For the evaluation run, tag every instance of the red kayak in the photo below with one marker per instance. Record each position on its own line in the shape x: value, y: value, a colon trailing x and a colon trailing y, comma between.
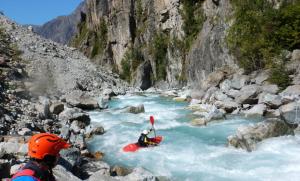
x: 135, y: 146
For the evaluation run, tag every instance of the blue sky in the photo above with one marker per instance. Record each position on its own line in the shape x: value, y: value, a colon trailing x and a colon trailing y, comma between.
x: 37, y: 11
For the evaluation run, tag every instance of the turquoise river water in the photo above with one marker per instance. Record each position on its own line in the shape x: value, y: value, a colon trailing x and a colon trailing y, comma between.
x: 189, y: 153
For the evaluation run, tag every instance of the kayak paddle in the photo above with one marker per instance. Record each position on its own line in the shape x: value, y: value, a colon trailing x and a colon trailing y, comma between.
x: 152, y: 123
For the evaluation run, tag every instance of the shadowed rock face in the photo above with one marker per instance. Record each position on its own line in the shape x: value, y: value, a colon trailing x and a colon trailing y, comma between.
x: 62, y: 28
x: 209, y: 51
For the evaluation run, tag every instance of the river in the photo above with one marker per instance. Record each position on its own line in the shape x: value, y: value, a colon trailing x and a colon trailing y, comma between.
x: 187, y: 152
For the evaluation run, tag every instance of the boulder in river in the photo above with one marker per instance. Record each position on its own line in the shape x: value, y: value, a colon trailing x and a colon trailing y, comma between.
x: 136, y: 110
x: 247, y: 137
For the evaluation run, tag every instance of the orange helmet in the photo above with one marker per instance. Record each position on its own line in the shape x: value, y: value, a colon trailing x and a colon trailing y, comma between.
x: 43, y: 144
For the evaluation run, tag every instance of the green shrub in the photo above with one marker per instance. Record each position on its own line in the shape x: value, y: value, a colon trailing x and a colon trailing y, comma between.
x: 132, y: 59
x: 100, y: 39
x: 261, y: 32
x: 193, y: 19
x: 159, y: 48
x: 126, y: 70
x: 280, y: 76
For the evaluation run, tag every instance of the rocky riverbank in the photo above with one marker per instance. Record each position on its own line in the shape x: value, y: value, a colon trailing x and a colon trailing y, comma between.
x: 47, y: 87
x: 229, y: 91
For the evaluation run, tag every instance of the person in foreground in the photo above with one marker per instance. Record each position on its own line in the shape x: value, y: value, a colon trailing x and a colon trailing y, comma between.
x: 43, y: 149
x: 144, y: 141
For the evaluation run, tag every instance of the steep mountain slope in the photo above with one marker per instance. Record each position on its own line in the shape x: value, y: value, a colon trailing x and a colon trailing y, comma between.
x: 62, y: 28
x: 56, y: 69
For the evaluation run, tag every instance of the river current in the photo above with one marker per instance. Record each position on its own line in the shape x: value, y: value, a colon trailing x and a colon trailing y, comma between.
x: 189, y: 153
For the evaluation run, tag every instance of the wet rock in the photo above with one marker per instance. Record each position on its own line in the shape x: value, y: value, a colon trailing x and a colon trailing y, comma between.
x: 136, y: 110
x: 56, y: 108
x: 248, y: 136
x: 91, y: 130
x: 103, y: 102
x: 256, y: 111
x: 109, y: 92
x: 119, y: 171
x: 179, y: 99
x: 170, y: 93
x: 139, y: 174
x: 199, y: 122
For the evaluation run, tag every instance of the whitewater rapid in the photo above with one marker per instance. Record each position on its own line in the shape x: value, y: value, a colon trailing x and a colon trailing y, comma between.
x: 187, y: 152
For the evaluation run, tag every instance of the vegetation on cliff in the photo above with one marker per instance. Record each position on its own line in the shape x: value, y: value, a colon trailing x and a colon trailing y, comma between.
x: 130, y: 62
x: 95, y: 38
x: 261, y: 32
x: 193, y: 19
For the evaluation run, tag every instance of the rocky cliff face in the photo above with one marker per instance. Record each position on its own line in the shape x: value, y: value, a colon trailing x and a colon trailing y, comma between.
x: 63, y: 28
x: 168, y: 43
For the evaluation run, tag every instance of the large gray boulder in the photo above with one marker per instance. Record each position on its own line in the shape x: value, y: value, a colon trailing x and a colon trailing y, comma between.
x: 270, y: 88
x: 93, y: 130
x: 56, y: 108
x: 228, y: 106
x: 103, y: 102
x: 62, y: 173
x: 272, y: 100
x: 261, y: 77
x: 95, y: 167
x: 247, y: 137
x: 238, y: 81
x: 135, y: 110
x: 71, y: 114
x: 290, y: 113
x: 256, y: 111
x: 248, y: 94
x: 15, y: 148
x: 83, y: 103
x: 293, y: 91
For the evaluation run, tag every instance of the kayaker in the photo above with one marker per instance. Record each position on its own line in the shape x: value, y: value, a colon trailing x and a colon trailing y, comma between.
x: 43, y: 149
x: 144, y: 141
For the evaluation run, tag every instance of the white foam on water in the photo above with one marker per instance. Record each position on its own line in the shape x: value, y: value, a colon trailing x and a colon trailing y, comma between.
x: 192, y: 153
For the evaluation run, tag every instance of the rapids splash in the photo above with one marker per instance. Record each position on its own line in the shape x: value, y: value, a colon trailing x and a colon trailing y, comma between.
x: 187, y: 152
